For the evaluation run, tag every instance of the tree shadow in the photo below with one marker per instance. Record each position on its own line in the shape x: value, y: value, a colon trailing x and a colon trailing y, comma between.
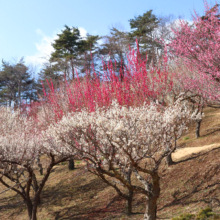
x: 211, y: 131
x: 200, y: 187
x: 115, y: 208
x: 106, y: 213
x: 11, y: 203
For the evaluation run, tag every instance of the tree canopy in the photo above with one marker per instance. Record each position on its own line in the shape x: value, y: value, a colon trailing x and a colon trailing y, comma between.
x: 72, y: 49
x: 16, y: 83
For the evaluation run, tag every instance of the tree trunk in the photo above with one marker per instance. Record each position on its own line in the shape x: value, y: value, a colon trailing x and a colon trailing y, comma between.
x: 38, y: 193
x: 130, y: 193
x: 71, y: 164
x: 40, y: 169
x: 169, y: 160
x: 34, y: 211
x: 35, y: 185
x: 198, y: 124
x: 151, y: 209
x: 39, y: 165
x: 72, y: 67
x: 34, y: 215
x: 29, y: 208
x: 129, y: 203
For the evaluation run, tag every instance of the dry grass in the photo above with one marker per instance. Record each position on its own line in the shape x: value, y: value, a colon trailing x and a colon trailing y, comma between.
x: 186, y: 186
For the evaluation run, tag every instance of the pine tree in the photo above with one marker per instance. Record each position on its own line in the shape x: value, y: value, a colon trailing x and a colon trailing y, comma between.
x: 143, y: 28
x: 16, y: 84
x: 71, y: 49
x: 116, y: 47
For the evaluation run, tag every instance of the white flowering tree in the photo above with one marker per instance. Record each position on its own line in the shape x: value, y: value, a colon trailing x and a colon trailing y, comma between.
x: 21, y: 141
x: 117, y: 141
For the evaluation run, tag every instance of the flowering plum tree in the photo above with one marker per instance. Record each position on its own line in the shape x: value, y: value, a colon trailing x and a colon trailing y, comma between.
x: 198, y: 46
x: 118, y: 140
x: 196, y: 59
x: 20, y: 144
x: 139, y: 85
x: 181, y: 75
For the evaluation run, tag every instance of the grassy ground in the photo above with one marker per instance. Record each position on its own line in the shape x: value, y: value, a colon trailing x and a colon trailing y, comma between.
x: 187, y: 186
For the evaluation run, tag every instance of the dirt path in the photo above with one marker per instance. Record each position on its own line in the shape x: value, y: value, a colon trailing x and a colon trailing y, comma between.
x: 186, y: 152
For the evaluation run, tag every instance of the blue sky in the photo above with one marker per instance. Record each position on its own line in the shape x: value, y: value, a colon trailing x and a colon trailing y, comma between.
x: 29, y: 26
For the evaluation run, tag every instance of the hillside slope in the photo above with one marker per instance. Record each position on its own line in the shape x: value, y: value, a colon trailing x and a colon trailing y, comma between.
x: 187, y: 186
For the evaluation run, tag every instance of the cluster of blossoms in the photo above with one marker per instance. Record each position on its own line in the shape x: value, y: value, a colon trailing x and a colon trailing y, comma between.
x: 19, y: 140
x: 21, y: 143
x: 121, y: 134
x: 197, y: 49
x: 108, y: 138
x: 121, y: 137
x: 139, y: 84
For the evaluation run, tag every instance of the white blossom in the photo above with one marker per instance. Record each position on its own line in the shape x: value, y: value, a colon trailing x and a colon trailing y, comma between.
x: 148, y: 129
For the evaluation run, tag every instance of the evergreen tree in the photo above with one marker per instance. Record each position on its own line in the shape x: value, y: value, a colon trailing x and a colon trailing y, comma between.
x: 143, y: 28
x: 90, y: 51
x: 16, y: 84
x: 67, y: 47
x: 71, y: 48
x: 116, y: 47
x: 51, y: 72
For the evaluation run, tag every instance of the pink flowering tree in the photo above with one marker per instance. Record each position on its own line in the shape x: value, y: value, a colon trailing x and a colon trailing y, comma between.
x: 197, y: 46
x: 21, y: 141
x: 195, y: 54
x: 118, y: 140
x: 192, y: 96
x: 139, y: 85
